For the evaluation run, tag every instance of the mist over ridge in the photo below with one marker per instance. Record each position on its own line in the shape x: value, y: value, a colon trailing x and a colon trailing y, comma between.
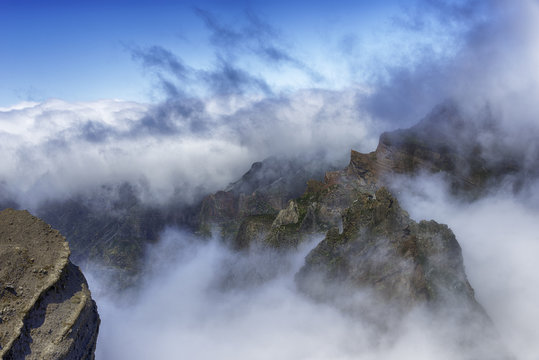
x: 150, y: 191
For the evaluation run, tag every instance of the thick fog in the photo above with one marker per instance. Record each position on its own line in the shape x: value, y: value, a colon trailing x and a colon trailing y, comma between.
x: 181, y: 147
x: 199, y: 300
x: 500, y: 242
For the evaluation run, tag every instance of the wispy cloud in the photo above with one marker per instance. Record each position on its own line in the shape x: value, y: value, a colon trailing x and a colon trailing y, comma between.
x: 256, y: 37
x: 231, y: 44
x: 162, y: 59
x: 491, y: 62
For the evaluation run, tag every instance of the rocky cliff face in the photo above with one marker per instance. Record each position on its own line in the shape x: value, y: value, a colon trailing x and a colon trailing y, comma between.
x: 371, y: 245
x: 399, y: 265
x: 261, y: 192
x: 46, y: 310
x: 370, y: 241
x: 381, y: 247
x: 471, y: 155
x: 444, y: 143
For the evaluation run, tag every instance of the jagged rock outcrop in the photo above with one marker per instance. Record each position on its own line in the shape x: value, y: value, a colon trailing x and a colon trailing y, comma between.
x: 287, y: 216
x: 372, y: 246
x: 46, y: 309
x: 444, y: 142
x: 401, y: 265
x: 381, y: 248
x: 261, y: 193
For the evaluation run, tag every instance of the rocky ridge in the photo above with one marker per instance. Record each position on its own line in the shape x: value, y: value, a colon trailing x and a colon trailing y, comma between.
x: 46, y: 309
x: 370, y: 240
x: 444, y: 143
x: 112, y: 225
x: 371, y: 245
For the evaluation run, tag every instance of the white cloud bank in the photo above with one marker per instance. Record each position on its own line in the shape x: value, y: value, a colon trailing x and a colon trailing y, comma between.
x: 55, y: 149
x: 500, y: 242
x: 182, y: 312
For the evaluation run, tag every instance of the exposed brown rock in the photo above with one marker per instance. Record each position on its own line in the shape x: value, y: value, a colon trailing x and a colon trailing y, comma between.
x: 263, y: 191
x: 371, y: 244
x: 46, y: 310
x: 380, y: 247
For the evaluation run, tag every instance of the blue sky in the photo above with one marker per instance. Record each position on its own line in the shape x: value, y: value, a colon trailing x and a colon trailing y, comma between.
x: 244, y: 80
x: 241, y: 79
x: 82, y: 50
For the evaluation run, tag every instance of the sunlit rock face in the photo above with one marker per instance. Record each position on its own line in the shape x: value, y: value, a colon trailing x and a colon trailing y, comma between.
x: 46, y: 309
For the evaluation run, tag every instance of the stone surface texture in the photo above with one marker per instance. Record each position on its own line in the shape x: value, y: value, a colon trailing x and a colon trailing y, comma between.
x: 46, y: 309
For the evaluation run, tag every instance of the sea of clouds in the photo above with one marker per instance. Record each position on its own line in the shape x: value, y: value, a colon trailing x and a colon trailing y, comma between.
x: 188, y: 146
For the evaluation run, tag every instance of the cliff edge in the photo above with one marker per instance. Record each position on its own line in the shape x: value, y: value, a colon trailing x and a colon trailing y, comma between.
x: 46, y: 310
